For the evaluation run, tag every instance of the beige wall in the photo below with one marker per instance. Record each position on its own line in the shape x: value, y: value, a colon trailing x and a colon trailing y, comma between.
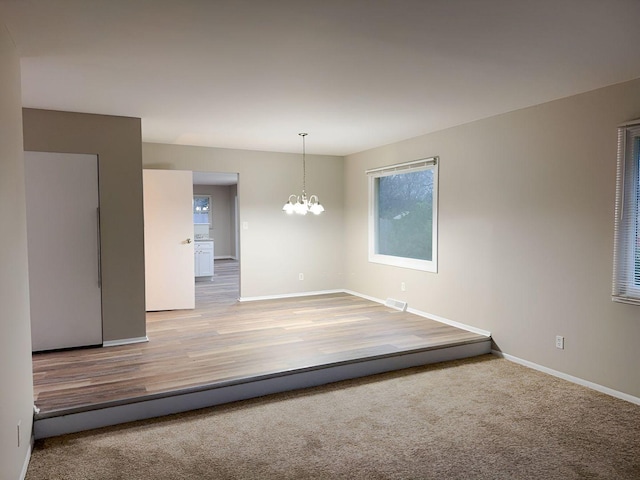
x: 525, y: 232
x: 16, y: 394
x: 222, y: 226
x: 117, y: 142
x: 276, y: 247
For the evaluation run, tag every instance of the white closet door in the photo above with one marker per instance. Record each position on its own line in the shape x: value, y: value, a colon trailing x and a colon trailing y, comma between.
x: 63, y: 243
x: 168, y: 240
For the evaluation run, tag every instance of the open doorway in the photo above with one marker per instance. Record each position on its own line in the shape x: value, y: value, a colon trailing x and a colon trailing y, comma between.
x: 190, y: 225
x: 216, y: 237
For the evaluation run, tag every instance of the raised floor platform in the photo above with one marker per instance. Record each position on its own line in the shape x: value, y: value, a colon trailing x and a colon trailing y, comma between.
x: 225, y: 351
x: 103, y: 414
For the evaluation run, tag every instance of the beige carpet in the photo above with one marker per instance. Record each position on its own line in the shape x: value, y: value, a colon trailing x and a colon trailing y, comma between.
x: 483, y: 418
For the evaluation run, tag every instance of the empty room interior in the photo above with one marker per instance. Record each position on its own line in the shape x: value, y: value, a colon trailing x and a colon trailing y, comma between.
x: 205, y: 202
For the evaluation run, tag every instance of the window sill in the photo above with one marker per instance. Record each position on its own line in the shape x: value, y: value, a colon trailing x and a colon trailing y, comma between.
x: 627, y: 300
x: 411, y: 263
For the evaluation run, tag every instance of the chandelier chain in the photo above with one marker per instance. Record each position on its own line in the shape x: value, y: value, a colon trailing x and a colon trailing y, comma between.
x: 304, y: 165
x: 300, y: 204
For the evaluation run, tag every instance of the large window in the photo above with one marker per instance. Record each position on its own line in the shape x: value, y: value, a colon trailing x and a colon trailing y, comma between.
x: 626, y: 256
x: 403, y: 207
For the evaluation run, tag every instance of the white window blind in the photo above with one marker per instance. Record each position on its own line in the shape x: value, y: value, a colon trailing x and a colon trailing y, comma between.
x: 398, y: 168
x: 626, y: 253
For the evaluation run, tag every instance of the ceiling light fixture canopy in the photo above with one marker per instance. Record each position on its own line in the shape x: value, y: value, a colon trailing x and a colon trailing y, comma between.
x: 300, y: 204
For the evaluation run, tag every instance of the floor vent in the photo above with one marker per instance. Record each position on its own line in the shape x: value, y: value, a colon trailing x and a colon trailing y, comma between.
x: 397, y: 304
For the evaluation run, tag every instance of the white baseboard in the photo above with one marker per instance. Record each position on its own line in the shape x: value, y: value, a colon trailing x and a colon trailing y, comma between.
x: 25, y: 465
x: 526, y: 363
x: 289, y: 295
x: 569, y: 378
x: 124, y: 341
x: 430, y: 316
x: 362, y: 295
x: 453, y: 323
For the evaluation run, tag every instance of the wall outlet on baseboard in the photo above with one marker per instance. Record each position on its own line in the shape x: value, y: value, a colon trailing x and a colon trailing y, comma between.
x: 301, y: 276
x: 560, y: 342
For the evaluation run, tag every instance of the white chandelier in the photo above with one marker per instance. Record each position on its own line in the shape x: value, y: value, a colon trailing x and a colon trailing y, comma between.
x: 300, y: 204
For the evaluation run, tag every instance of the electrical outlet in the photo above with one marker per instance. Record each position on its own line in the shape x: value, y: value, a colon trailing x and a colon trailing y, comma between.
x: 403, y: 287
x: 301, y: 276
x: 560, y: 342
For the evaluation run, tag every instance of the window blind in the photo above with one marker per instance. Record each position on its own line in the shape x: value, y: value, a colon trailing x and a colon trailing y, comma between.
x: 626, y: 253
x: 400, y: 167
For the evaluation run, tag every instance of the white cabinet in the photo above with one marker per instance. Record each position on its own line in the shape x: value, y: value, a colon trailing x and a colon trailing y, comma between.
x: 203, y: 258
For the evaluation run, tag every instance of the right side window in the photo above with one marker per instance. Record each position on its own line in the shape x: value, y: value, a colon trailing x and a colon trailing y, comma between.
x: 403, y: 211
x: 626, y: 256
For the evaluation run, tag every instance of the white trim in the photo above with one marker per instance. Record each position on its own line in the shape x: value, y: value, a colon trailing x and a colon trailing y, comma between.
x: 629, y: 124
x: 362, y: 295
x: 124, y: 341
x: 404, y: 262
x: 27, y: 459
x: 452, y: 323
x: 569, y: 378
x: 627, y: 300
x: 430, y: 316
x: 289, y: 295
x: 624, y: 286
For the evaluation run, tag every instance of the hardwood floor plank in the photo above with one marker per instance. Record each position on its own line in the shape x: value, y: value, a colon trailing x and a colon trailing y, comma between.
x: 223, y: 340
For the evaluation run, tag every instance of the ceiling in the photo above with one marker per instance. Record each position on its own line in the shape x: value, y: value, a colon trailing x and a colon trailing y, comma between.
x: 354, y: 74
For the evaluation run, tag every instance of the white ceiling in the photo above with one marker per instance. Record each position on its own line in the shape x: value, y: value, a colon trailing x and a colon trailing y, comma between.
x: 355, y: 74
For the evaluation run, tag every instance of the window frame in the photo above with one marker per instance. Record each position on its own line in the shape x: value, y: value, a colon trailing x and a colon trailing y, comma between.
x: 429, y: 163
x: 627, y: 222
x: 209, y: 216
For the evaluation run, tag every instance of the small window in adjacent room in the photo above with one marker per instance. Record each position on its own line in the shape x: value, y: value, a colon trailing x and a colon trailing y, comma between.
x: 626, y: 254
x: 403, y: 208
x: 202, y: 209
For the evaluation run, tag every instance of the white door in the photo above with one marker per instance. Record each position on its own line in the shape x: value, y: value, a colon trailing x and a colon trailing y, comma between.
x: 168, y: 240
x: 63, y: 244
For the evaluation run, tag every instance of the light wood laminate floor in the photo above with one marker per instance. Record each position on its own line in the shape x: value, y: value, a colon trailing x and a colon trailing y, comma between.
x: 224, y: 340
